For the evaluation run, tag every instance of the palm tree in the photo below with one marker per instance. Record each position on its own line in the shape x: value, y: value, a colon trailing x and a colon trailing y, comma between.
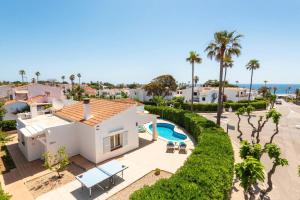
x: 224, y: 44
x: 297, y: 92
x: 193, y: 58
x: 252, y: 65
x: 79, y: 76
x: 63, y: 77
x: 228, y: 63
x: 274, y: 90
x: 37, y: 76
x: 72, y: 78
x: 22, y: 73
x: 265, y: 81
x: 236, y: 82
x: 196, y: 79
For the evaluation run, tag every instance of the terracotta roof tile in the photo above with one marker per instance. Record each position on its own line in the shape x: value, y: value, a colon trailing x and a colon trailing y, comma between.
x: 100, y: 110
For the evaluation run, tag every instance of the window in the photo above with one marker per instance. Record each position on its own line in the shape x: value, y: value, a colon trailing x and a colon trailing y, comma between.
x: 115, y: 141
x: 195, y: 94
x: 22, y: 139
x: 203, y: 98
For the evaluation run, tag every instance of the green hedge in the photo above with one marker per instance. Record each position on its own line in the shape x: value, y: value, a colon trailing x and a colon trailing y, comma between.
x: 213, y: 107
x: 8, y: 125
x: 208, y: 171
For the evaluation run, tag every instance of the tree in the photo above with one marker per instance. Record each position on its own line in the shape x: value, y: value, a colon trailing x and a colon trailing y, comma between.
x: 2, y: 111
x: 192, y: 59
x: 274, y: 90
x: 252, y: 65
x: 124, y: 95
x: 249, y: 172
x: 196, y: 79
x: 297, y: 92
x: 161, y: 86
x: 63, y: 77
x: 274, y: 152
x: 159, y: 101
x: 72, y: 78
x: 265, y: 81
x: 58, y: 162
x: 79, y: 77
x: 255, y: 150
x: 228, y: 63
x: 22, y: 73
x: 224, y: 44
x: 264, y: 91
x: 4, y: 195
x: 37, y: 76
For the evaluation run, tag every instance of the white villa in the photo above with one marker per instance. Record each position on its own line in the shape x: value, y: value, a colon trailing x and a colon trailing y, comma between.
x: 141, y: 95
x: 210, y: 94
x: 95, y: 129
x: 32, y: 95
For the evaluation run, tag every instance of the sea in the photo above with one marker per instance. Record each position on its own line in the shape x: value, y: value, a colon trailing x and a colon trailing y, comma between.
x: 281, y: 88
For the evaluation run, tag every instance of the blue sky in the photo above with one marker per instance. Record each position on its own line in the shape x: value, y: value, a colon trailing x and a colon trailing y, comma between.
x: 134, y: 41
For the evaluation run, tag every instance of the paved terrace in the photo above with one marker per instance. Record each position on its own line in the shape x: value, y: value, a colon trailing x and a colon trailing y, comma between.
x: 147, y: 157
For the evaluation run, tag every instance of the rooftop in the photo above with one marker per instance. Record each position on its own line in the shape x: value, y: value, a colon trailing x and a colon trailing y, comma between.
x: 100, y: 110
x: 45, y: 121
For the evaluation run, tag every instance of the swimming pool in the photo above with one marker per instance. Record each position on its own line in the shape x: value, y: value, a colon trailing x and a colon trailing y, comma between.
x: 166, y: 130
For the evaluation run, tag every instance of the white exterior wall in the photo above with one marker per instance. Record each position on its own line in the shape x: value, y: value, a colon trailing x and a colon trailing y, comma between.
x: 125, y: 120
x: 38, y: 89
x: 5, y: 91
x: 59, y: 136
x: 86, y: 141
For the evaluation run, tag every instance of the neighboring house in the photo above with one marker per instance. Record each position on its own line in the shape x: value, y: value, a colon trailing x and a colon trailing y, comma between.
x: 210, y: 94
x: 5, y: 93
x: 89, y: 90
x: 141, y: 95
x: 97, y: 129
x: 26, y: 96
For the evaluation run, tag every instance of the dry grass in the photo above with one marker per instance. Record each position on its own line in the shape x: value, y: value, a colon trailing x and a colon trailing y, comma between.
x: 48, y: 182
x: 148, y: 179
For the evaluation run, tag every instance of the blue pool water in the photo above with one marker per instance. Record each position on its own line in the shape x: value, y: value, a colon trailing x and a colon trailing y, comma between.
x: 166, y: 131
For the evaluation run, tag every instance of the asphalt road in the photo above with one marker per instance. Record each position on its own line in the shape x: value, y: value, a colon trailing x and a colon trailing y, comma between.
x: 286, y: 181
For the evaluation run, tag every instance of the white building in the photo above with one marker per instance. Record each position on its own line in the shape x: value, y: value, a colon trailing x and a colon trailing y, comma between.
x: 210, y: 94
x: 32, y: 94
x: 141, y: 95
x: 96, y: 129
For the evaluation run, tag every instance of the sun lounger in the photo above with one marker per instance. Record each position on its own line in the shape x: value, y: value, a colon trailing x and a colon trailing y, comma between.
x: 182, y: 146
x: 170, y: 146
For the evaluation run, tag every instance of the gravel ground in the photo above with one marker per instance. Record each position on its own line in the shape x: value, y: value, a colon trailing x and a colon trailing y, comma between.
x: 148, y: 179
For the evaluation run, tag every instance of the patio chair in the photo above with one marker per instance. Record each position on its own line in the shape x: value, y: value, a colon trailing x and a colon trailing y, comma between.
x: 170, y: 146
x: 182, y: 146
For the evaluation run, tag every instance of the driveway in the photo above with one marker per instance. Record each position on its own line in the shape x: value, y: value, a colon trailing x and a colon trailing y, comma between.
x: 286, y: 180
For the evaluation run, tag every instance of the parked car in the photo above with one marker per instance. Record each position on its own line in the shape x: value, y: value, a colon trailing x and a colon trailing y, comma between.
x: 278, y: 101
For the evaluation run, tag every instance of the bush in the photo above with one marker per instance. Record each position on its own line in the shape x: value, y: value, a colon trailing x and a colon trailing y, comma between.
x: 4, y: 195
x: 157, y: 171
x: 257, y: 105
x: 213, y: 107
x: 8, y: 125
x: 207, y: 173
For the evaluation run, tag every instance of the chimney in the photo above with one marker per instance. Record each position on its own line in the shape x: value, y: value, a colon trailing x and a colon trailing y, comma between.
x: 86, y: 109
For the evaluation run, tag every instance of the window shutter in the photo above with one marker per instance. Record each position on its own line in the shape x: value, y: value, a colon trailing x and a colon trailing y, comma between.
x: 106, y: 144
x: 125, y: 138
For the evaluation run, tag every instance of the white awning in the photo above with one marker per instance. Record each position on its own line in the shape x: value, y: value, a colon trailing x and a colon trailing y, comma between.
x: 32, y: 131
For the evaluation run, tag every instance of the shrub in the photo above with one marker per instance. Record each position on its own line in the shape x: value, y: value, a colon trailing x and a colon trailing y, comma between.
x: 213, y: 107
x: 8, y: 125
x: 157, y: 171
x: 4, y: 195
x: 257, y: 105
x: 207, y: 173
